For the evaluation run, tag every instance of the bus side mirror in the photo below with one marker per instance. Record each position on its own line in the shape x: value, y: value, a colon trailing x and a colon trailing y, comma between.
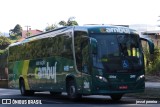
x: 150, y: 44
x: 93, y: 44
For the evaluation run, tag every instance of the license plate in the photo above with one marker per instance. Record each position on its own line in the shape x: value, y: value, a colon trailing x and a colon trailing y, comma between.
x: 123, y: 87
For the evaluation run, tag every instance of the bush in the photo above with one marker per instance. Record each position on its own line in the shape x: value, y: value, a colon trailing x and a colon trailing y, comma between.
x: 152, y: 65
x: 1, y: 52
x: 4, y: 42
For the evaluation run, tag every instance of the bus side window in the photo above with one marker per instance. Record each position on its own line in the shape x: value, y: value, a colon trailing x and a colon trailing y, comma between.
x: 66, y: 45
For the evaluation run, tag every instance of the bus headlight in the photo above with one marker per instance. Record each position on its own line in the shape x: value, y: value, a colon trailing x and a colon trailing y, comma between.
x: 140, y: 77
x: 102, y: 78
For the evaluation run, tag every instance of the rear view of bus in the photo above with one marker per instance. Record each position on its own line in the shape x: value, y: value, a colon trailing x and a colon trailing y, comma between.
x: 117, y: 61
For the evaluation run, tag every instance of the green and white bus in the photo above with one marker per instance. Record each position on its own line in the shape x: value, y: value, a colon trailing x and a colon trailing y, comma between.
x: 79, y: 60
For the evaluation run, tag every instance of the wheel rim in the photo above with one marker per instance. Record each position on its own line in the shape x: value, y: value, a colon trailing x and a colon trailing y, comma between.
x: 72, y: 91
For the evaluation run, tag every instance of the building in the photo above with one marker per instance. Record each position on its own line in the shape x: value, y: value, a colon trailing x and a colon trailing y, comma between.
x: 154, y: 35
x: 148, y: 31
x: 30, y: 32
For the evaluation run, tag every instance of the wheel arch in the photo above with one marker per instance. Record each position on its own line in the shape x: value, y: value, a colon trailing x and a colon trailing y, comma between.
x: 25, y: 82
x: 20, y: 79
x: 69, y: 78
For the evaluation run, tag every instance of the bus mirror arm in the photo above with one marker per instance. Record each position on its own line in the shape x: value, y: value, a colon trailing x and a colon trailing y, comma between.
x: 150, y: 44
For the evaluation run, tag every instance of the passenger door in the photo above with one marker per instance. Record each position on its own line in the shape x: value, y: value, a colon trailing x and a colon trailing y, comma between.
x: 83, y: 60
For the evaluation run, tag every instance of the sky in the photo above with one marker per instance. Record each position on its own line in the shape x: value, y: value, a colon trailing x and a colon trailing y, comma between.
x: 38, y: 14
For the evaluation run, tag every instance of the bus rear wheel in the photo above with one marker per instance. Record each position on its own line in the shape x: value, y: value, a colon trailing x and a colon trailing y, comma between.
x: 23, y: 90
x: 116, y: 97
x: 72, y: 91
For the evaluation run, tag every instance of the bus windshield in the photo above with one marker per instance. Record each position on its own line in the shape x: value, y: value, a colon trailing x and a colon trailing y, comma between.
x: 114, y: 49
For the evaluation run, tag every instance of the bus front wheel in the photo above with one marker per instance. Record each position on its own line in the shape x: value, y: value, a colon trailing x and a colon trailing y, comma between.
x: 116, y: 97
x: 72, y: 91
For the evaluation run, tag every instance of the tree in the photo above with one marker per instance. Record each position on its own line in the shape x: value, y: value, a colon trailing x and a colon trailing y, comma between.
x: 53, y: 26
x: 63, y: 23
x: 4, y: 42
x: 71, y: 22
x: 17, y: 31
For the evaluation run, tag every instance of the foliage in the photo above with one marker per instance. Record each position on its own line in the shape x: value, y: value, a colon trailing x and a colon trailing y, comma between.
x: 16, y: 32
x: 63, y: 23
x: 152, y: 61
x: 71, y: 22
x: 1, y: 52
x: 3, y: 58
x: 28, y: 34
x: 4, y: 42
x: 53, y: 26
x: 14, y: 37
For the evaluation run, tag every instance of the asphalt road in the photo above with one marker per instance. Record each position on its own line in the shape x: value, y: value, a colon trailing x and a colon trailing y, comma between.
x: 62, y: 101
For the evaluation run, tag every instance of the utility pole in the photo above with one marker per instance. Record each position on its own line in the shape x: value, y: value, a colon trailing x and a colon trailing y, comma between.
x: 158, y: 21
x: 27, y: 30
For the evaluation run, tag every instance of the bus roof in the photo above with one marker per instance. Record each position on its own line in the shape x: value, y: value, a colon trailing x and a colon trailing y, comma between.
x: 88, y: 28
x: 95, y: 28
x: 107, y: 29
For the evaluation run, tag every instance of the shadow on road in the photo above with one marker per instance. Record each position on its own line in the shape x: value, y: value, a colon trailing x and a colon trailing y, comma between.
x: 49, y: 99
x: 63, y: 99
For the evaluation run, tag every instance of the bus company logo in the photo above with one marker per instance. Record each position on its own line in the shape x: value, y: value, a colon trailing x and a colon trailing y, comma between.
x: 47, y: 71
x: 118, y: 30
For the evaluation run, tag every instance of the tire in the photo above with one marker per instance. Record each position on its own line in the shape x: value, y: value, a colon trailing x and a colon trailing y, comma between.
x: 55, y: 93
x: 23, y: 90
x: 72, y: 91
x: 116, y: 97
